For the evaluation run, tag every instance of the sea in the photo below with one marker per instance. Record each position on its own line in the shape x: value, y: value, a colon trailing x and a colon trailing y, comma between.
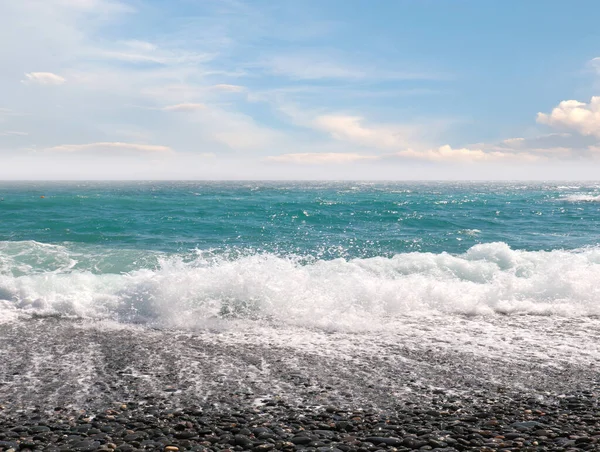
x: 501, y: 274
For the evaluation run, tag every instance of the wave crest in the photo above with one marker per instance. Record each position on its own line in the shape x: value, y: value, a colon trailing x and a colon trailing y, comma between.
x: 186, y: 291
x: 581, y: 198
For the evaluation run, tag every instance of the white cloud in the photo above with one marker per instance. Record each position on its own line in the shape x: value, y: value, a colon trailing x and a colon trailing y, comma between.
x: 9, y: 133
x: 579, y: 116
x: 140, y: 45
x: 319, y: 158
x: 130, y: 57
x: 110, y: 146
x: 310, y: 69
x: 185, y: 107
x: 44, y: 78
x: 228, y: 88
x: 463, y: 155
x: 235, y: 130
x: 181, y: 93
x: 324, y: 65
x: 352, y: 129
x: 152, y: 55
x: 92, y: 6
x: 442, y: 154
x: 513, y: 141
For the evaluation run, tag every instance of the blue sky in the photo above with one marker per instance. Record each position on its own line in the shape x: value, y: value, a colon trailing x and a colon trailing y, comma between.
x: 225, y: 89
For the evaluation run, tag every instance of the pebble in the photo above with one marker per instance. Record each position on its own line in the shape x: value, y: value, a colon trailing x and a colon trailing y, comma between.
x: 505, y: 424
x: 377, y: 440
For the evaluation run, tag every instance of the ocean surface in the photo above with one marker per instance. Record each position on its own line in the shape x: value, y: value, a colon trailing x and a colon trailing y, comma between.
x: 348, y: 256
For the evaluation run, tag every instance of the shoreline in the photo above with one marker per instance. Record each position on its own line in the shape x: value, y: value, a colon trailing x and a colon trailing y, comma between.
x: 92, y: 385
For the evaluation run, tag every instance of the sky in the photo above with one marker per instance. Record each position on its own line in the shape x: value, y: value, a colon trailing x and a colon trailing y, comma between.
x: 311, y: 89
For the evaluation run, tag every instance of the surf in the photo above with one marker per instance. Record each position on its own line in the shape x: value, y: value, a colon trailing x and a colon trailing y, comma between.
x: 199, y: 288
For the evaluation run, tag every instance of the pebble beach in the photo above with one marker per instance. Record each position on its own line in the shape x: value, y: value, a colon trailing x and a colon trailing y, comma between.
x: 97, y: 386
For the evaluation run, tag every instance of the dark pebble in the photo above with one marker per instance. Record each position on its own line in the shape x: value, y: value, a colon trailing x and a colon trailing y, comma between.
x: 301, y: 440
x: 377, y: 440
x: 511, y: 423
x: 242, y: 440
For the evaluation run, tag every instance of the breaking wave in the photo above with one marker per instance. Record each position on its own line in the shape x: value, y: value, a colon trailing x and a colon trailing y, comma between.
x: 582, y: 198
x: 202, y: 288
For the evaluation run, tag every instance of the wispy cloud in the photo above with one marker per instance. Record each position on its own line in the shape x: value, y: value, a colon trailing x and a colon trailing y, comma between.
x: 320, y: 158
x: 143, y: 46
x: 6, y: 113
x: 324, y: 65
x: 235, y: 130
x: 44, y: 78
x: 110, y: 146
x: 11, y: 133
x: 171, y: 90
x: 228, y: 88
x: 91, y: 6
x: 447, y: 154
x: 353, y: 129
x: 151, y: 54
x: 442, y: 154
x: 185, y: 107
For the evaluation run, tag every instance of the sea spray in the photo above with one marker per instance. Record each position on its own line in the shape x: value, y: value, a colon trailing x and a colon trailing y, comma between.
x: 190, y: 290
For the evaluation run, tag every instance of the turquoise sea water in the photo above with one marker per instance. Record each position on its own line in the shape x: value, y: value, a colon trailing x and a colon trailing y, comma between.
x: 299, y: 248
x: 319, y: 219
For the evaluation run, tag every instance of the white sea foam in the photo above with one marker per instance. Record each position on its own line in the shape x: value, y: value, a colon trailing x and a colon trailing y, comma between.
x: 339, y: 294
x: 581, y: 198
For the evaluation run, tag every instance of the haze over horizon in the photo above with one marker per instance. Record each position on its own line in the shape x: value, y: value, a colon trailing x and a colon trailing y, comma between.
x: 226, y: 89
